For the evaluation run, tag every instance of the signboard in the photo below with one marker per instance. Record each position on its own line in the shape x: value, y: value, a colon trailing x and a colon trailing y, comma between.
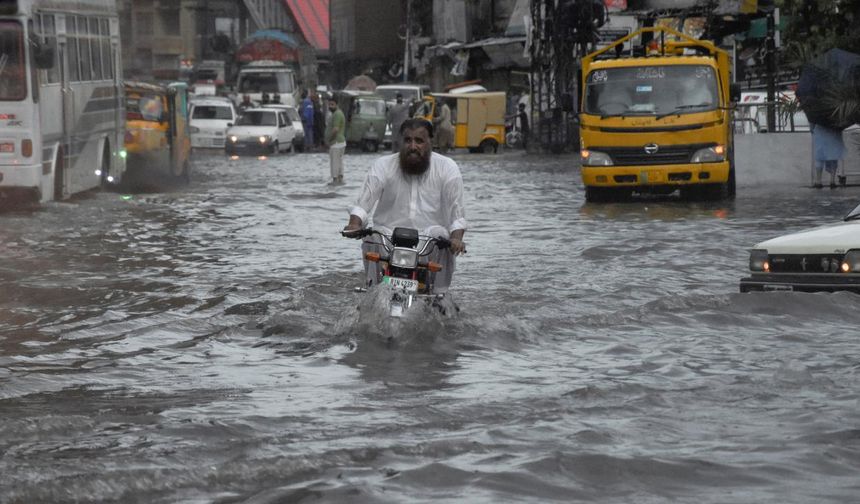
x: 615, y: 5
x: 615, y: 28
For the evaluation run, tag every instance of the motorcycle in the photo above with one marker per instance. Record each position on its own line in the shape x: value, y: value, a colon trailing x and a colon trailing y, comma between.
x: 406, y: 268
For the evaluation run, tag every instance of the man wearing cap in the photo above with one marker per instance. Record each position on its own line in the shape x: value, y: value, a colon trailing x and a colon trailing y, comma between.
x: 397, y: 113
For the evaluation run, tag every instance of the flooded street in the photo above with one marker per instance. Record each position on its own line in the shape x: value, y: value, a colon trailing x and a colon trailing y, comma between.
x: 203, y: 345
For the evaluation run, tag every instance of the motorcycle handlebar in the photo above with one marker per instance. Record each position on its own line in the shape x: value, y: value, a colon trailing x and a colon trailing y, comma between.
x: 441, y: 243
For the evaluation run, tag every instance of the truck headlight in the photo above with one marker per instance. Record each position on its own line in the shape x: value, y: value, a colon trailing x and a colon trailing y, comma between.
x: 714, y: 154
x: 264, y: 139
x: 595, y: 158
x: 404, y: 258
x: 851, y: 262
x: 234, y: 138
x: 758, y: 260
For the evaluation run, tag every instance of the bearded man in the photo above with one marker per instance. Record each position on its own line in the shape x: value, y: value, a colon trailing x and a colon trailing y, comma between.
x: 415, y: 188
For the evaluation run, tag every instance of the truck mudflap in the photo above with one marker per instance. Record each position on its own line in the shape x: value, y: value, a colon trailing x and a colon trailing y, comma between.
x: 659, y: 175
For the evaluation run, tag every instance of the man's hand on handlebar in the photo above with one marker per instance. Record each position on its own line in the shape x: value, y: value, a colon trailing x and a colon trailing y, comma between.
x: 457, y: 245
x: 354, y: 228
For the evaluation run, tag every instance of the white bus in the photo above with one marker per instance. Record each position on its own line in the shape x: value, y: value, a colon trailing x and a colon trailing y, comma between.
x: 62, y: 114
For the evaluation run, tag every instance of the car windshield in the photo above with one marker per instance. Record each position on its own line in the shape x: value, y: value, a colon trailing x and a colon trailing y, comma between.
x: 293, y: 114
x: 390, y: 94
x: 371, y: 107
x: 258, y: 118
x: 265, y: 82
x: 211, y: 112
x: 140, y: 107
x: 651, y: 90
x: 13, y: 75
x: 853, y: 214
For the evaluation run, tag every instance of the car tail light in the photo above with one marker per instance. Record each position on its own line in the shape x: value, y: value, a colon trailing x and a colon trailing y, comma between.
x: 27, y: 147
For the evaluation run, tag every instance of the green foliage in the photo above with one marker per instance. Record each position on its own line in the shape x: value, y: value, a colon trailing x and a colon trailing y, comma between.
x: 816, y: 26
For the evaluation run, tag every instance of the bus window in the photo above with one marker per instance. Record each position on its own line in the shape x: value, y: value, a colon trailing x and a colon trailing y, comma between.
x: 13, y: 76
x: 72, y: 48
x: 95, y: 50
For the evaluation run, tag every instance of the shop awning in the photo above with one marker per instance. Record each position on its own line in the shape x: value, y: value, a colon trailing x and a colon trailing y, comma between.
x: 312, y: 16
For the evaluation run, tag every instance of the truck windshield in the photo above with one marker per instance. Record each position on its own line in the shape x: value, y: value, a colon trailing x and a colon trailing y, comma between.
x: 13, y: 75
x: 651, y: 90
x: 265, y: 82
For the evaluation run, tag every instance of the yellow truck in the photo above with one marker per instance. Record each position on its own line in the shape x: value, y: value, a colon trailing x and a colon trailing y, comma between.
x: 657, y: 122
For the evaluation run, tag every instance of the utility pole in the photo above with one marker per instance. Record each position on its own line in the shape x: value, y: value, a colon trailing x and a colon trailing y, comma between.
x: 771, y: 72
x: 408, y: 40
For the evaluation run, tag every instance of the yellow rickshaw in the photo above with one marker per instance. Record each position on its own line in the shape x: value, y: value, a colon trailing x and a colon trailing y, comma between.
x: 157, y: 137
x: 478, y: 118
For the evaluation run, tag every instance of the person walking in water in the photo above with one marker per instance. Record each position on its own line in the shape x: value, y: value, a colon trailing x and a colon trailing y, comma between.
x: 334, y: 137
x: 444, y: 129
x: 829, y: 148
x: 308, y: 119
x: 398, y: 113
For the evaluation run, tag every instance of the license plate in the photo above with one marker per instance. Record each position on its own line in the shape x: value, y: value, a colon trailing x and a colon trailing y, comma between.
x: 402, y: 283
x: 777, y: 287
x: 651, y: 176
x: 7, y: 148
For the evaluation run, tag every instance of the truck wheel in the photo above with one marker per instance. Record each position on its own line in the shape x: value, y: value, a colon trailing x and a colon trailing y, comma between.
x: 489, y: 146
x: 732, y: 189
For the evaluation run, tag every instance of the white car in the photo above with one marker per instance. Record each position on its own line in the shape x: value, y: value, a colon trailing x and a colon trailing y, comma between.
x: 825, y: 258
x: 209, y: 119
x: 292, y: 115
x: 260, y: 131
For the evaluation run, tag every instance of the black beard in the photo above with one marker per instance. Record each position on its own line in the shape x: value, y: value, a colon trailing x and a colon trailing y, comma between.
x: 414, y: 166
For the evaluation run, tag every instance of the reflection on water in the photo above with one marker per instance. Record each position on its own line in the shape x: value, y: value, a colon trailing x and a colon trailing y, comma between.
x: 206, y: 345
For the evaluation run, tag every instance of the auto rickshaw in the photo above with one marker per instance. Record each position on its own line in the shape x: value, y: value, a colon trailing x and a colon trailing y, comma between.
x: 157, y: 137
x: 478, y: 118
x: 365, y: 118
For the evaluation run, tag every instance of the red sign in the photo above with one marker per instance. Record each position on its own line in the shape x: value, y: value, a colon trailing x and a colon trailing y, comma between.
x: 266, y: 50
x: 616, y: 4
x: 7, y: 117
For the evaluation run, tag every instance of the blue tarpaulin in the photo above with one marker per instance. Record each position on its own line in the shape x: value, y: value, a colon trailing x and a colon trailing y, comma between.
x: 829, y: 89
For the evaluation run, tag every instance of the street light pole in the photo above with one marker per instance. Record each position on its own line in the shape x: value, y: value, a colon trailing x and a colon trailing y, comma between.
x: 408, y: 39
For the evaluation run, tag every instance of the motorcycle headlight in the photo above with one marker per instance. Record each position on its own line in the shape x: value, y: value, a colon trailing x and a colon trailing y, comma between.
x: 404, y: 258
x: 595, y: 158
x: 759, y: 261
x: 713, y: 154
x: 264, y: 139
x: 851, y: 262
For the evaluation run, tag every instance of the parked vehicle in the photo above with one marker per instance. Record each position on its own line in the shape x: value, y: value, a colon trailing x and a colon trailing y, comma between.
x: 260, y: 131
x: 270, y: 78
x: 406, y: 269
x: 825, y: 258
x: 210, y: 117
x: 412, y: 93
x: 478, y: 118
x: 658, y: 123
x: 365, y: 118
x: 293, y: 116
x: 158, y: 136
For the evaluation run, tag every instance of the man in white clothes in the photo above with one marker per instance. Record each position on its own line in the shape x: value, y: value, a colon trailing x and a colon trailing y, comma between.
x: 415, y: 188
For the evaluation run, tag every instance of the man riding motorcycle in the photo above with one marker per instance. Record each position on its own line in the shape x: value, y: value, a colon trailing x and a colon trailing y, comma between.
x: 415, y: 188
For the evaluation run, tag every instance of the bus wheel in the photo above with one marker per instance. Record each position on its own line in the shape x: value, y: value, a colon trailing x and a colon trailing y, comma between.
x: 59, y: 169
x: 489, y: 146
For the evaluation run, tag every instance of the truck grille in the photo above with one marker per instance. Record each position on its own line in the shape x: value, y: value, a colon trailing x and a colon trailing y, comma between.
x: 805, y: 263
x: 665, y: 155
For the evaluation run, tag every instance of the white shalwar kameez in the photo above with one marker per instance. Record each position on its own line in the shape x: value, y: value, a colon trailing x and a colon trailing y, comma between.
x: 431, y: 202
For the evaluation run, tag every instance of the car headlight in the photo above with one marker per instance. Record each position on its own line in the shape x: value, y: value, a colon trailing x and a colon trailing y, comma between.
x: 404, y: 258
x: 234, y: 138
x: 714, y: 154
x: 264, y: 139
x: 195, y: 129
x: 759, y: 260
x: 851, y: 262
x: 595, y: 158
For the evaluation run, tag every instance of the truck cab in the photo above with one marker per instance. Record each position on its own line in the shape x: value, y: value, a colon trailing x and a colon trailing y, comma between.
x: 268, y: 77
x: 659, y: 122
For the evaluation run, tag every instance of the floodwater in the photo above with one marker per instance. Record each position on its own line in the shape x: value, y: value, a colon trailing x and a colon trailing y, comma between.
x: 203, y: 345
